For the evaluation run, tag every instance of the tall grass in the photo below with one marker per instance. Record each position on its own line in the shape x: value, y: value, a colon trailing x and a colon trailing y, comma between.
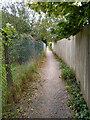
x: 23, y: 77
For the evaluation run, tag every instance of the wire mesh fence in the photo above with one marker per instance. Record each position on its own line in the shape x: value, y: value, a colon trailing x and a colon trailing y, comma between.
x: 20, y: 51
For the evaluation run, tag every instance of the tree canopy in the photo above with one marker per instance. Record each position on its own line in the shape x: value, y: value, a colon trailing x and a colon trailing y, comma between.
x: 71, y: 17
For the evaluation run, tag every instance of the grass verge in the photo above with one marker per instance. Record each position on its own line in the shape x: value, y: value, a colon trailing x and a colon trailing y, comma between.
x: 77, y: 102
x: 23, y: 77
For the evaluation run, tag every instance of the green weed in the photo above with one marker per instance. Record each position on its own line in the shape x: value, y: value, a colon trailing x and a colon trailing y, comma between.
x: 77, y: 102
x: 68, y: 74
x: 23, y: 78
x: 50, y: 46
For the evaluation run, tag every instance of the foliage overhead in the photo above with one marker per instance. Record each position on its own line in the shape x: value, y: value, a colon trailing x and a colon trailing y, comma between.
x: 10, y: 32
x: 71, y: 17
x: 17, y: 15
x: 41, y: 30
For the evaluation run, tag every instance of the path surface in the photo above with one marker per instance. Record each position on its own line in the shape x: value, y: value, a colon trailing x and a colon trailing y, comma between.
x: 50, y: 99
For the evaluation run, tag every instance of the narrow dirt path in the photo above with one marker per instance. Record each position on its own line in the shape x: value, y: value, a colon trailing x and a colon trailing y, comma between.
x: 50, y: 99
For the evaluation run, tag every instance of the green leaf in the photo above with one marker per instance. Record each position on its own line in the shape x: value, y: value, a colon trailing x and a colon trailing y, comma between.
x: 80, y: 21
x: 85, y: 20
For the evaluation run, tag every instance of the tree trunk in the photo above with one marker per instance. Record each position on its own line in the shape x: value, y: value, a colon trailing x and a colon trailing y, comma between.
x: 7, y: 62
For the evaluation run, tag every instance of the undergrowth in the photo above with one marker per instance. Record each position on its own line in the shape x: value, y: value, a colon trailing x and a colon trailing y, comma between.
x: 23, y: 77
x: 50, y: 46
x: 77, y: 102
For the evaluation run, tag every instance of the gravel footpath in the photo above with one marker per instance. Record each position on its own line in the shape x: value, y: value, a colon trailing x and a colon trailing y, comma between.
x: 50, y: 99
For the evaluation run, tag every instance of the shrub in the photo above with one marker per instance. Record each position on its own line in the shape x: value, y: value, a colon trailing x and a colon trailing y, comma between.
x: 50, y: 46
x: 62, y: 66
x: 68, y: 74
x: 77, y: 102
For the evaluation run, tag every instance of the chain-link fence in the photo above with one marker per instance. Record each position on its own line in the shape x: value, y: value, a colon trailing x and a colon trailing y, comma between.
x: 20, y: 52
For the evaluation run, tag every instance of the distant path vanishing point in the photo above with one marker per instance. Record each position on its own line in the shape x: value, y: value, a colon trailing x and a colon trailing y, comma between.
x: 50, y: 99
